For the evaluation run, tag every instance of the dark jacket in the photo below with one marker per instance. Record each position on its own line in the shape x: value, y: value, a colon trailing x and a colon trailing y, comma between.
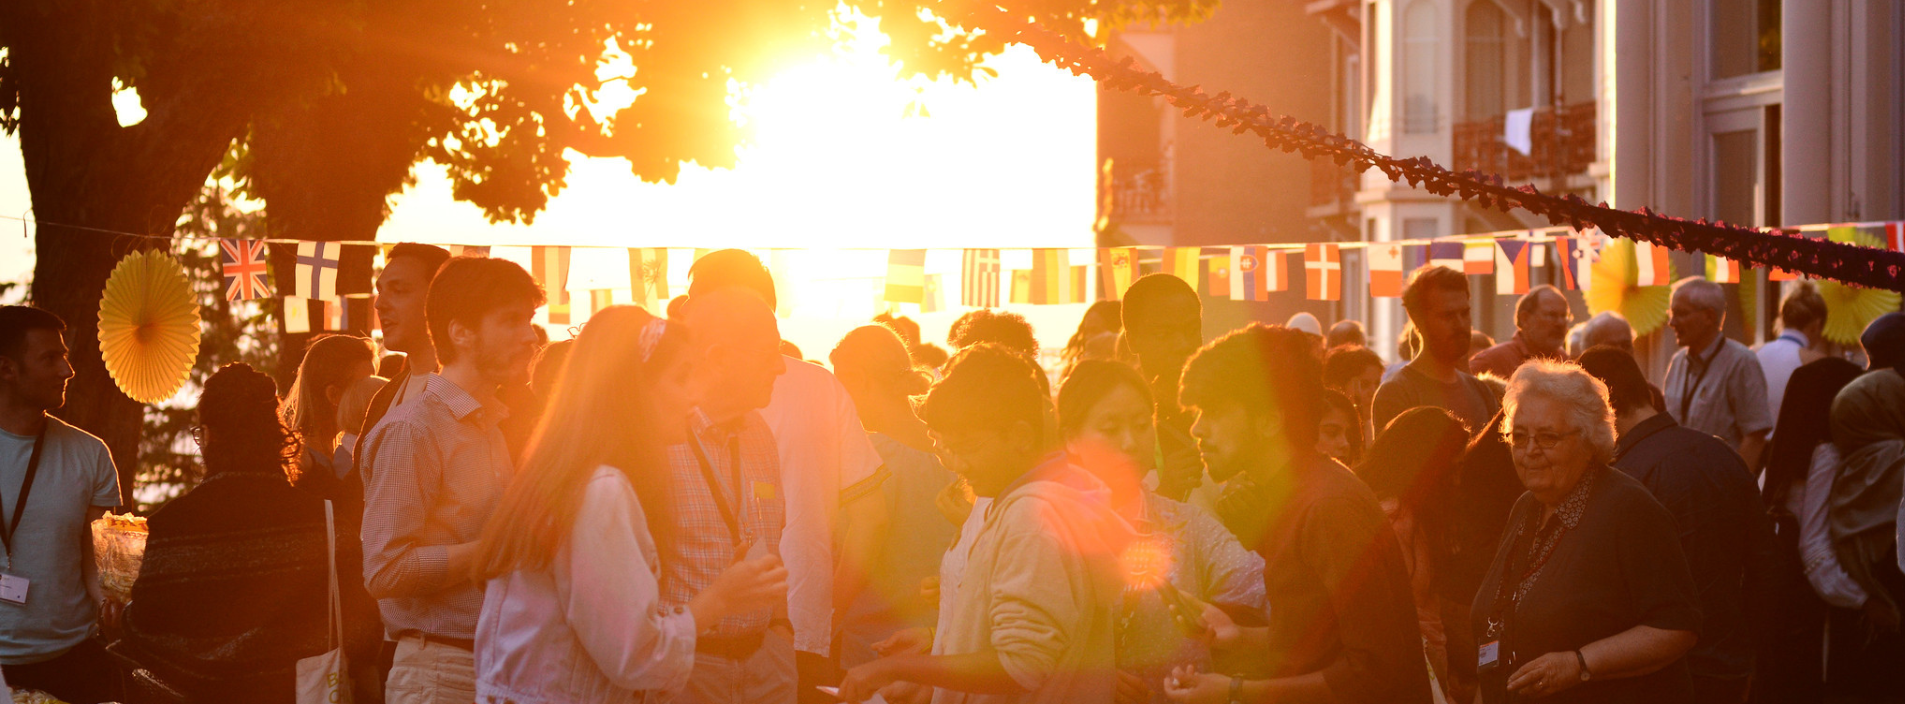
x: 1724, y: 532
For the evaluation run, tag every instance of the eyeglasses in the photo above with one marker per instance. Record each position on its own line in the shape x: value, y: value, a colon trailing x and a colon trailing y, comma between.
x: 198, y: 435
x: 1544, y: 439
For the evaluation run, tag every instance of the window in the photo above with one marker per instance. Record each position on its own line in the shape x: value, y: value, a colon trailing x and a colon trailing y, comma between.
x: 1493, y: 59
x: 1745, y: 36
x: 1736, y: 179
x: 1418, y: 68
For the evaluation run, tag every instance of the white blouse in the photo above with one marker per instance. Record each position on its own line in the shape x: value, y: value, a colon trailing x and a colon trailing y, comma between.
x: 589, y: 627
x: 1815, y: 540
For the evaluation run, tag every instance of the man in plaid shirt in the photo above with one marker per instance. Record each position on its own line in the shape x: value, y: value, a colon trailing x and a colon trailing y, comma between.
x: 725, y: 482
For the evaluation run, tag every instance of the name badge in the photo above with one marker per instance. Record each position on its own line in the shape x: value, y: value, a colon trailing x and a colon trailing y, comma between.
x: 763, y: 491
x: 1491, y: 653
x: 13, y: 589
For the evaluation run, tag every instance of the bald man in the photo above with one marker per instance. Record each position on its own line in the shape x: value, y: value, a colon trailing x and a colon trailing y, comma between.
x: 726, y: 485
x: 1608, y: 328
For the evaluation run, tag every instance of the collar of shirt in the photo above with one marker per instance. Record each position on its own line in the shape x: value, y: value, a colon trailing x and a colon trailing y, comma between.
x: 1052, y: 467
x: 1797, y: 337
x: 1528, y: 351
x: 1640, y: 432
x: 460, y: 402
x: 706, y: 427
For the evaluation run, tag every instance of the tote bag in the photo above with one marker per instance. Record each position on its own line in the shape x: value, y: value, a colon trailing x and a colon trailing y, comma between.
x: 325, y: 679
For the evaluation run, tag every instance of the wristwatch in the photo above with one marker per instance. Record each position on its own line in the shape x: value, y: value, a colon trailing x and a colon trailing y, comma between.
x: 1236, y: 690
x: 1585, y: 674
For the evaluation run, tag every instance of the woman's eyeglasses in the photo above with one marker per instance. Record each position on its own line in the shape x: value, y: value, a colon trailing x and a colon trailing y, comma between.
x: 1543, y: 439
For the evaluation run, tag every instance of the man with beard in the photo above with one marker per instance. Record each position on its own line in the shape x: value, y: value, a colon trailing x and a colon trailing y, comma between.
x: 434, y: 467
x: 1436, y: 300
x: 1164, y: 324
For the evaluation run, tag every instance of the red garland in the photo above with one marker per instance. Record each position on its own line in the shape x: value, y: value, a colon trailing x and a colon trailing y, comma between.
x: 1863, y: 266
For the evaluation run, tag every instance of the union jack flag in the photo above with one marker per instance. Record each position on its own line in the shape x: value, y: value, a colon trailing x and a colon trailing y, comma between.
x: 245, y: 269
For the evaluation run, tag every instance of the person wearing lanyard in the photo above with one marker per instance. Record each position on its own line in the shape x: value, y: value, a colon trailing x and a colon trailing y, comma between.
x: 55, y: 479
x: 725, y: 482
x: 1802, y: 323
x: 1589, y: 598
x: 1714, y: 385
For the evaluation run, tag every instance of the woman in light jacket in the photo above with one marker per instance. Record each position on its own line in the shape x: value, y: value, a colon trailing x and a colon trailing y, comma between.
x: 572, y: 611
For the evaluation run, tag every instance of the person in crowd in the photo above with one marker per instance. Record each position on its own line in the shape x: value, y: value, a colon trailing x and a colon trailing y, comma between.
x: 573, y: 611
x: 1589, y: 597
x: 351, y: 408
x: 1346, y: 332
x: 1542, y: 318
x: 1868, y: 427
x: 332, y: 363
x: 931, y: 357
x: 1355, y: 371
x: 403, y: 288
x: 1801, y: 341
x: 1477, y: 341
x: 906, y: 328
x: 1801, y: 463
x: 726, y: 500
x: 548, y: 368
x: 1032, y: 616
x: 1436, y: 300
x: 1576, y: 335
x: 872, y: 363
x: 52, y: 593
x: 235, y: 584
x: 1164, y: 325
x: 830, y: 475
x: 1411, y: 468
x: 1009, y: 330
x: 1608, y: 328
x: 1342, y: 623
x: 1723, y: 529
x: 1339, y: 435
x: 1306, y: 322
x: 1714, y: 384
x: 1104, y: 412
x: 1096, y: 337
x: 1408, y: 345
x: 433, y: 469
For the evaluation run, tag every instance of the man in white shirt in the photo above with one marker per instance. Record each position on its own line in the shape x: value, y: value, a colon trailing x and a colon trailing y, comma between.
x: 830, y: 473
x: 1802, y: 323
x: 55, y: 480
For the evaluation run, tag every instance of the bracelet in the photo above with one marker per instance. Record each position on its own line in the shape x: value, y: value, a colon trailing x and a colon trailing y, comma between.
x: 1585, y: 673
x: 1236, y: 690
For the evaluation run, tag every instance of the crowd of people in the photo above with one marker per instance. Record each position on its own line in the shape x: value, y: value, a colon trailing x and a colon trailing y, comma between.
x: 671, y: 508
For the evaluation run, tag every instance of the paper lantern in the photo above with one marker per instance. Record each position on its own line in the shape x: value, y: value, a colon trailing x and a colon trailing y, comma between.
x: 148, y: 326
x: 1613, y: 289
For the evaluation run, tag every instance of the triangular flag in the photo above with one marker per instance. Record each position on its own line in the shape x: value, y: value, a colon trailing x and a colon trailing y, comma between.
x: 905, y: 276
x: 1323, y: 266
x: 1385, y: 269
x: 550, y: 267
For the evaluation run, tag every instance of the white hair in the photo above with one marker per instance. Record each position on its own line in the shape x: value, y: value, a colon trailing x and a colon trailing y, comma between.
x: 1566, y: 383
x: 1701, y: 292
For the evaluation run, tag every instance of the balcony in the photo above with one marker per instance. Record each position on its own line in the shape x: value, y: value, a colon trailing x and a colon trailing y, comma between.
x: 1562, y: 139
x: 1139, y: 195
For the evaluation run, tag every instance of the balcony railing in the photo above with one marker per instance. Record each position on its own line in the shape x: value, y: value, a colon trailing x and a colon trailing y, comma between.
x: 1562, y: 143
x: 1140, y: 194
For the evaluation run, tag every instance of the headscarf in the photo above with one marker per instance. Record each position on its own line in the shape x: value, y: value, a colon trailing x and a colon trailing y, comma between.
x: 1868, y: 425
x: 1884, y: 342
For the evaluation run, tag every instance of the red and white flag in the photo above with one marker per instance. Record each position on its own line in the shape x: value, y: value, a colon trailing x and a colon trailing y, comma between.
x: 1323, y: 269
x: 1385, y: 269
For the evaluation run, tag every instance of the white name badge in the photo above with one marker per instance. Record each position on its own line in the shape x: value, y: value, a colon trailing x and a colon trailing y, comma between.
x: 13, y: 589
x: 1491, y: 651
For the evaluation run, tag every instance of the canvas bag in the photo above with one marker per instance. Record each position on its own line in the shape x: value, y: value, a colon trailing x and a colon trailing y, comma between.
x: 325, y: 679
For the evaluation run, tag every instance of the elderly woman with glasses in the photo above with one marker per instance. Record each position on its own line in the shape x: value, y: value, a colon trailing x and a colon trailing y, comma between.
x: 1589, y: 598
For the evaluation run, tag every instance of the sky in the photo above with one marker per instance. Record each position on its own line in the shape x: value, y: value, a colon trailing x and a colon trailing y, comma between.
x: 842, y: 156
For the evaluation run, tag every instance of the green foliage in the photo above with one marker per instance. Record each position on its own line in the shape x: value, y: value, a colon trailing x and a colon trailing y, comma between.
x: 243, y: 331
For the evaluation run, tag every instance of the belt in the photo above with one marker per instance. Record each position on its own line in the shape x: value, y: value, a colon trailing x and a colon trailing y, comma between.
x: 428, y: 639
x: 735, y: 647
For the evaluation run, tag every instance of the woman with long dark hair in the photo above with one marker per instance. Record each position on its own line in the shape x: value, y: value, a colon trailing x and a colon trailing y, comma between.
x: 572, y: 609
x: 1412, y: 470
x: 235, y: 585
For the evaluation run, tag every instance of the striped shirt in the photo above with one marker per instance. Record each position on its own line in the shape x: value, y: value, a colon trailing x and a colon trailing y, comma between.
x: 434, y: 468
x: 703, y: 544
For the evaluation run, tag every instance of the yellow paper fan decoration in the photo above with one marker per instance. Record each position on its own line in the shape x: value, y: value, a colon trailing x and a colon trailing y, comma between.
x: 148, y: 326
x: 1850, y: 308
x: 1613, y: 289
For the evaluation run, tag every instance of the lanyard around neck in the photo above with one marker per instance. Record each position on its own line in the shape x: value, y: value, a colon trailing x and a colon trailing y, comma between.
x: 12, y: 527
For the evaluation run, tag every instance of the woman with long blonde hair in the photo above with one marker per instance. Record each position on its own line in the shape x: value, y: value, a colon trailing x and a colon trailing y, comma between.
x: 572, y: 608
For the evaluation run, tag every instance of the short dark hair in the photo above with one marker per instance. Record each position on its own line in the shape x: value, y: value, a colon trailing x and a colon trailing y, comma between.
x: 468, y: 288
x: 16, y: 321
x: 1260, y: 367
x: 1347, y: 332
x: 1802, y: 307
x: 732, y: 267
x: 1342, y: 364
x: 431, y: 256
x: 1009, y: 330
x: 1431, y: 278
x: 930, y: 356
x: 1532, y: 299
x: 1149, y: 289
x: 1088, y: 384
x: 906, y: 328
x: 987, y: 387
x: 1627, y: 387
